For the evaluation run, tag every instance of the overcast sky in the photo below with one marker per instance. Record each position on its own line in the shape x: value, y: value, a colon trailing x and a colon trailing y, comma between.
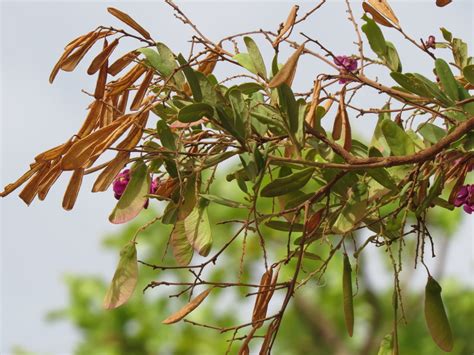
x: 41, y: 242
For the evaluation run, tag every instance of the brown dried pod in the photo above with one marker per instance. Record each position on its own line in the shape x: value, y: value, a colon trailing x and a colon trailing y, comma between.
x: 287, y: 73
x: 142, y: 90
x: 31, y: 189
x: 91, y: 120
x: 53, y: 153
x: 101, y: 78
x: 122, y: 105
x: 289, y: 23
x: 102, y: 57
x: 122, y: 16
x: 310, y: 115
x: 71, y: 62
x: 49, y: 179
x: 381, y: 12
x: 122, y: 62
x: 188, y: 308
x: 107, y: 176
x: 24, y: 178
x: 70, y: 196
x: 127, y: 80
x: 442, y: 3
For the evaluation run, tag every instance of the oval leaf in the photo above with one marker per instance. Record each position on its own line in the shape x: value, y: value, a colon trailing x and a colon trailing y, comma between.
x: 284, y: 185
x: 195, y: 112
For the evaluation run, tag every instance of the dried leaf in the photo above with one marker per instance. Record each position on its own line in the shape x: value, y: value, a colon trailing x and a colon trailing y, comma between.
x: 191, y: 306
x: 381, y: 12
x: 122, y: 62
x: 102, y: 57
x: 287, y: 72
x: 289, y: 23
x: 73, y: 188
x: 122, y: 16
x: 125, y: 278
x: 180, y: 246
x: 137, y: 101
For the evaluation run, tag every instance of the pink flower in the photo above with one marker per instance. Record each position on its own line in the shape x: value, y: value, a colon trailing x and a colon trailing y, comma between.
x: 346, y: 64
x: 430, y: 42
x: 465, y: 197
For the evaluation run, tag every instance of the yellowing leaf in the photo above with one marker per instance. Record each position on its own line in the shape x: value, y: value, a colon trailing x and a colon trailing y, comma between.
x: 180, y: 246
x: 198, y: 230
x: 125, y: 278
x: 134, y: 196
x: 287, y: 72
x: 191, y: 306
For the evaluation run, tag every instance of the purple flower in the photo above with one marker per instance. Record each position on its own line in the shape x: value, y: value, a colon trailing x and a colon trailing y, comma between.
x: 120, y: 183
x: 346, y: 64
x: 465, y: 197
x: 431, y: 42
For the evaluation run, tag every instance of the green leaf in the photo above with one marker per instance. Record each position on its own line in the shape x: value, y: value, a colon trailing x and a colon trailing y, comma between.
x: 398, y: 140
x: 378, y: 139
x: 392, y: 58
x: 285, y: 226
x: 432, y: 89
x: 152, y: 57
x: 239, y: 109
x: 350, y: 216
x: 180, y: 246
x: 209, y: 94
x: 134, y: 197
x: 246, y: 61
x: 375, y: 36
x: 249, y: 88
x: 195, y: 112
x: 411, y: 84
x: 382, y: 176
x: 125, y: 278
x: 170, y: 214
x: 446, y: 77
x: 169, y: 64
x: 167, y: 137
x: 448, y: 36
x: 284, y: 185
x: 347, y: 295
x: 468, y: 72
x: 191, y: 77
x: 198, y: 231
x: 460, y: 52
x: 436, y: 318
x: 432, y: 133
x: 386, y: 345
x: 290, y: 107
x: 256, y: 57
x: 224, y: 201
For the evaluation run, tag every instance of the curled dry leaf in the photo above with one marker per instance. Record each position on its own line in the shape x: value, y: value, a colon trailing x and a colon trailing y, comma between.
x: 122, y: 16
x: 287, y: 72
x: 381, y: 12
x: 289, y: 23
x: 70, y: 196
x: 191, y: 306
x: 102, y: 57
x: 122, y: 62
x: 137, y: 101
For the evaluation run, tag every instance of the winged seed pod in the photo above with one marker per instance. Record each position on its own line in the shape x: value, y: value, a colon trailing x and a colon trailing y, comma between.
x: 436, y: 318
x: 287, y: 73
x: 102, y: 57
x: 289, y: 23
x: 381, y: 12
x: 188, y: 308
x: 122, y: 16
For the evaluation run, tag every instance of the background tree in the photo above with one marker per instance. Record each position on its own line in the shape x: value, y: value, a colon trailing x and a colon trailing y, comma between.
x: 323, y: 187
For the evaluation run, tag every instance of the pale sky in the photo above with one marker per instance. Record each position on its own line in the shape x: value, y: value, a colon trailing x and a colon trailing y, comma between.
x: 41, y: 242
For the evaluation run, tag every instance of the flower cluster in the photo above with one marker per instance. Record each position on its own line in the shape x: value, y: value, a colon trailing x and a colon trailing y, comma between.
x: 465, y: 197
x: 431, y: 42
x: 122, y: 180
x: 346, y: 64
